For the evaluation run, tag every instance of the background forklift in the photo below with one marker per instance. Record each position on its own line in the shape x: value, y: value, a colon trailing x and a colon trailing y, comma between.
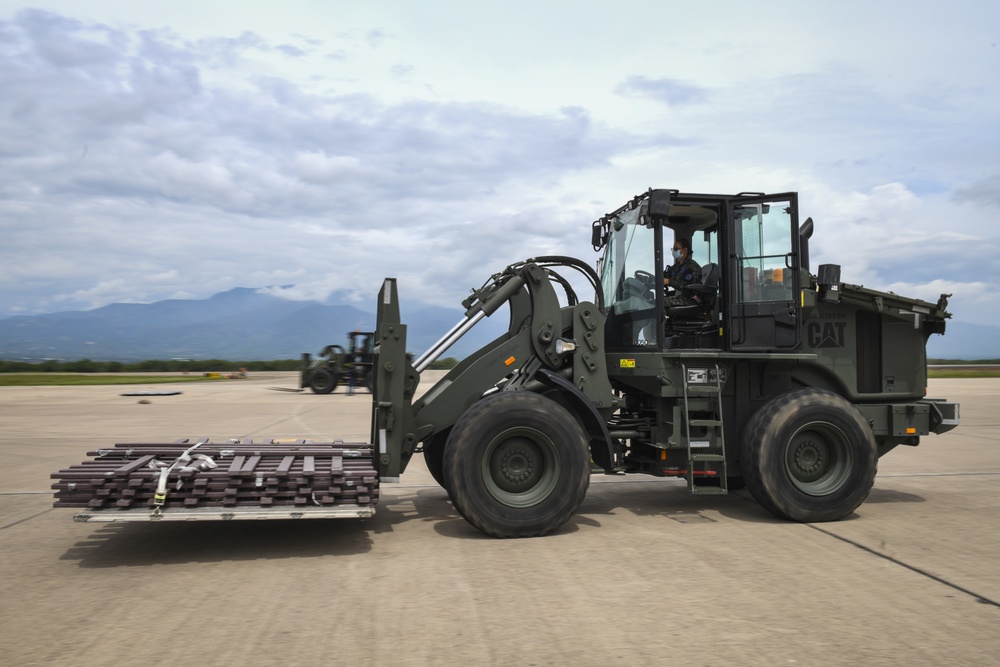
x: 334, y: 365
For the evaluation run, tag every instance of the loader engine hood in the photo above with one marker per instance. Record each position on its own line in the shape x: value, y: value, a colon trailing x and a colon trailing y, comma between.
x: 930, y: 317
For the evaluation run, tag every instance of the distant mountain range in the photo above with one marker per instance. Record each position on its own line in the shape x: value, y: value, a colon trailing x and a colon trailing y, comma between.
x: 963, y: 340
x: 246, y: 324
x: 243, y: 324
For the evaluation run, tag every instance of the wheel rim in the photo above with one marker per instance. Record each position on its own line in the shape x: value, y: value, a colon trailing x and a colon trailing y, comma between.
x: 819, y: 459
x: 521, y: 467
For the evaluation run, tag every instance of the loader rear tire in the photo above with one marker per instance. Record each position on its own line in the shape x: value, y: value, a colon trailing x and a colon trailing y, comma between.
x: 517, y: 465
x: 808, y: 455
x: 322, y: 381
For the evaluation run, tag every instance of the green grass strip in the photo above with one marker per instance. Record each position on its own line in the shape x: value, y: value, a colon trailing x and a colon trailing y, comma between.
x: 59, y: 379
x: 962, y: 373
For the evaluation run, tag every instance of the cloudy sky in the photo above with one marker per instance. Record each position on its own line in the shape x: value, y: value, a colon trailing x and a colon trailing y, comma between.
x: 154, y: 150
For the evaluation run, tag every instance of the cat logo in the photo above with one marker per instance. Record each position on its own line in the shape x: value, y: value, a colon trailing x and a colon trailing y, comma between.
x: 626, y: 363
x: 826, y: 334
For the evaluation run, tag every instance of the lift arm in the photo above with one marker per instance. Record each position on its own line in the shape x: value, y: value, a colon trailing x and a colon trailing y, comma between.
x: 542, y: 335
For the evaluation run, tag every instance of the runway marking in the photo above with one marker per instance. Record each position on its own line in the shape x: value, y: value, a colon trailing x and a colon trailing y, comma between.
x: 976, y: 596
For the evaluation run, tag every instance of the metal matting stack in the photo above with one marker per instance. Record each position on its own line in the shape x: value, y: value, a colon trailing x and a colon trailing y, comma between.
x: 237, y: 479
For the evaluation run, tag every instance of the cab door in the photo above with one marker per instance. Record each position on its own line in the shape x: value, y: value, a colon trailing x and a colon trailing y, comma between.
x: 763, y: 277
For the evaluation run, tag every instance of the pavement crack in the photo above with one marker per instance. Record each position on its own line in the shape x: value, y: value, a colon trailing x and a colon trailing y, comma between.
x: 27, y: 518
x: 938, y: 474
x: 976, y: 596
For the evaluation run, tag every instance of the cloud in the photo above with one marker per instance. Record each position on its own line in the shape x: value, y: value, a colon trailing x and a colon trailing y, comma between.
x: 671, y: 92
x: 143, y: 163
x: 376, y: 37
x: 151, y: 127
x: 291, y: 50
x: 139, y: 163
x: 109, y: 290
x: 985, y: 191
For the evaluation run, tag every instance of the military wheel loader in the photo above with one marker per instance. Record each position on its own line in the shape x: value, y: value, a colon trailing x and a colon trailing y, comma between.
x: 765, y: 376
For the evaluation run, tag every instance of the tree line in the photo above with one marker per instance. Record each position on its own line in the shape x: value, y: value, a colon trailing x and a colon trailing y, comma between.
x: 165, y: 366
x: 147, y: 366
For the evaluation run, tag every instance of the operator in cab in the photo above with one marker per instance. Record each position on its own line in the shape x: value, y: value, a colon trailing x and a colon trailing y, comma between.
x: 683, y: 272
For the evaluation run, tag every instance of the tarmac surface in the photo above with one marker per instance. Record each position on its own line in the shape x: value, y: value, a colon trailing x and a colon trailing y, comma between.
x: 645, y: 574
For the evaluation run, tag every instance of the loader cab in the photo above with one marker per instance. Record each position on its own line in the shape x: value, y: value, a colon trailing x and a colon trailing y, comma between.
x: 362, y: 343
x: 629, y: 270
x: 748, y: 248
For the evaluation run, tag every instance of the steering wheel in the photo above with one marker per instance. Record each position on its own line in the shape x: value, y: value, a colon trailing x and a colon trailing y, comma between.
x: 648, y: 281
x: 647, y: 278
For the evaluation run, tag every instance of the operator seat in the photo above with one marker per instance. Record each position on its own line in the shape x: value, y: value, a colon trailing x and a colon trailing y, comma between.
x: 701, y: 317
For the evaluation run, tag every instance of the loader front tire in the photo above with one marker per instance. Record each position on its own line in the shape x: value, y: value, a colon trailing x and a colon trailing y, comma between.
x: 808, y: 455
x: 434, y: 457
x: 517, y: 465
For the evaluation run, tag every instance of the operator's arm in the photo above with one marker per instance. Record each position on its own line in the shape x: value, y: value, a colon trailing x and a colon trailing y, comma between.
x: 693, y: 275
x: 680, y: 276
x: 668, y: 274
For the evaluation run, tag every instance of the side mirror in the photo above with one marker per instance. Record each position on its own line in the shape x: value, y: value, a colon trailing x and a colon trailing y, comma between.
x: 659, y: 204
x: 597, y: 238
x: 829, y: 283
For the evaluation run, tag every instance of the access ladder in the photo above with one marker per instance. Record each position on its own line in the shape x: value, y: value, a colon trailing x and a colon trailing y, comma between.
x: 703, y: 411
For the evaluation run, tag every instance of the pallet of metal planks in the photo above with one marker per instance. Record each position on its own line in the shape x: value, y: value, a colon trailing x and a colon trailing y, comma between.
x: 196, y: 479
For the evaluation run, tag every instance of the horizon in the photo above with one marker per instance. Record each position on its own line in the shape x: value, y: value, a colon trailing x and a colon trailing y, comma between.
x: 978, y: 342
